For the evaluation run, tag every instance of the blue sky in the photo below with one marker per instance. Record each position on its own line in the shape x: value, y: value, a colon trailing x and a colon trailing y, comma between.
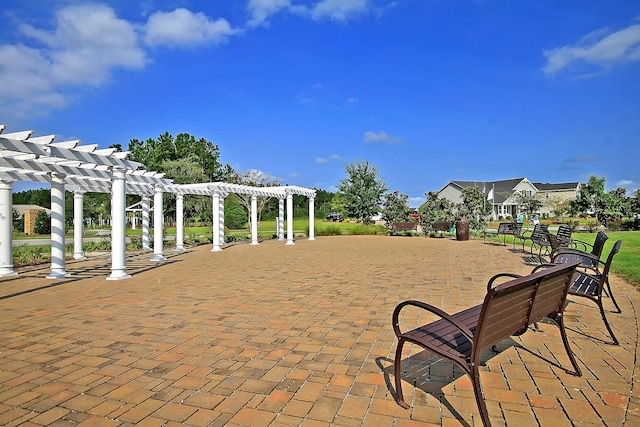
x: 428, y: 90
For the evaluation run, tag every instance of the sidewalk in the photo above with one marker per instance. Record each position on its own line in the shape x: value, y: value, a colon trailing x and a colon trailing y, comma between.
x: 275, y: 335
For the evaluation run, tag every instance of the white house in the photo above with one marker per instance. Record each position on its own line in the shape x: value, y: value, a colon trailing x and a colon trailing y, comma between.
x: 502, y: 194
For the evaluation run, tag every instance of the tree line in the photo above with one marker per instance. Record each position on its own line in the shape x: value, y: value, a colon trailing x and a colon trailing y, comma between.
x: 360, y: 195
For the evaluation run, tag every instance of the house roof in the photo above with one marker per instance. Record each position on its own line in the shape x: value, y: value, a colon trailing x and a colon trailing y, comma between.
x: 563, y: 186
x: 501, y: 189
x: 21, y: 208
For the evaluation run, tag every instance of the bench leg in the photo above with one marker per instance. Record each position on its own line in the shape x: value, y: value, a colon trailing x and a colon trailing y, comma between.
x: 608, y: 290
x: 606, y: 323
x: 396, y: 372
x: 477, y: 391
x: 576, y: 369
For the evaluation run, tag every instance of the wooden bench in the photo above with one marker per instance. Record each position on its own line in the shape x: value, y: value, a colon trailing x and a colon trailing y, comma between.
x: 441, y: 226
x: 508, y: 309
x: 404, y: 226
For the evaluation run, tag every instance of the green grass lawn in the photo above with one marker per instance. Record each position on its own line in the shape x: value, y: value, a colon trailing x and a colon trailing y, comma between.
x: 626, y: 263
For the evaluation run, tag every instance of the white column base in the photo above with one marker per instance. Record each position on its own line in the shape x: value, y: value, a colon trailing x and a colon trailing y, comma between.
x: 7, y: 271
x: 158, y: 258
x: 216, y: 249
x: 58, y: 274
x: 179, y: 249
x: 118, y: 275
x: 311, y: 238
x: 79, y: 255
x: 290, y: 243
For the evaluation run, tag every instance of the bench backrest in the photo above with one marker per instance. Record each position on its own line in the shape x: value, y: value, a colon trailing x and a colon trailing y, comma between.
x: 598, y: 244
x: 564, y: 232
x: 517, y: 228
x: 540, y: 233
x: 505, y: 227
x: 404, y: 225
x: 510, y: 307
x: 441, y: 226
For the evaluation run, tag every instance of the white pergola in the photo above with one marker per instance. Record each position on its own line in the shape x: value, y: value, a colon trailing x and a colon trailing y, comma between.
x: 69, y: 166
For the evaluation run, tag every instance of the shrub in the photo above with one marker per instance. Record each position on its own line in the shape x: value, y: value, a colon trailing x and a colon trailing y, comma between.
x: 23, y: 255
x: 235, y: 217
x: 135, y: 243
x: 592, y: 226
x: 43, y: 223
x: 329, y: 230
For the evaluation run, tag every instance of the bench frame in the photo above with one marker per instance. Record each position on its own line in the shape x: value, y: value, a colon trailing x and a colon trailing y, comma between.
x: 508, y: 309
x: 441, y: 227
x: 404, y: 226
x: 506, y: 229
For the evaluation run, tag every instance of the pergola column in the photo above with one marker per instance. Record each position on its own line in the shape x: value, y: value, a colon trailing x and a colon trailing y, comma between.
x: 157, y: 225
x: 290, y: 218
x: 179, y: 222
x: 78, y: 224
x: 145, y: 222
x: 57, y: 228
x: 254, y: 220
x: 118, y: 226
x: 312, y: 235
x: 280, y: 224
x: 6, y: 222
x: 215, y: 198
x: 223, y: 196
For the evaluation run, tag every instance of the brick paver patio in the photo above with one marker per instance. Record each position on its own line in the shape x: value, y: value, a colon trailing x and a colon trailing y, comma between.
x: 275, y: 335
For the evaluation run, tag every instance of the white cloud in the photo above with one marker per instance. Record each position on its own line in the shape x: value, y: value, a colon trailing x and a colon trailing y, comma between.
x: 335, y: 10
x: 182, y: 27
x: 381, y: 136
x: 324, y: 160
x: 597, y: 48
x: 86, y: 45
x: 262, y: 10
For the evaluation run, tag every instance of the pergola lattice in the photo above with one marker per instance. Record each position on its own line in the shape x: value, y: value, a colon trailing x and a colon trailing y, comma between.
x: 69, y: 166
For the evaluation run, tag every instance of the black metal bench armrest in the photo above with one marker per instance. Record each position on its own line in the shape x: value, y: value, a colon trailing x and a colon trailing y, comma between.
x: 428, y: 307
x: 499, y: 275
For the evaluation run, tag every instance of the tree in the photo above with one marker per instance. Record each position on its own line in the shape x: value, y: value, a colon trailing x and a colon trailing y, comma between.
x: 528, y: 202
x: 475, y: 206
x: 558, y: 207
x: 39, y: 197
x: 396, y: 208
x: 254, y: 178
x: 153, y: 153
x: 235, y: 216
x: 436, y: 209
x: 591, y: 198
x: 17, y: 220
x: 634, y: 203
x: 362, y: 190
x: 616, y: 204
x: 42, y: 224
x: 323, y: 202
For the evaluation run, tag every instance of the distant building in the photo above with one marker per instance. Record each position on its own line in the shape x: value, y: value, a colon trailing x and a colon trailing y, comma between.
x: 502, y: 194
x: 30, y: 212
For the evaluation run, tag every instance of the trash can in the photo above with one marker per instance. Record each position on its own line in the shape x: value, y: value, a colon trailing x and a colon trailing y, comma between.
x: 462, y: 229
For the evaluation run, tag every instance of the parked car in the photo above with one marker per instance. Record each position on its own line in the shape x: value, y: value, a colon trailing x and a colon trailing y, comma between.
x: 334, y: 217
